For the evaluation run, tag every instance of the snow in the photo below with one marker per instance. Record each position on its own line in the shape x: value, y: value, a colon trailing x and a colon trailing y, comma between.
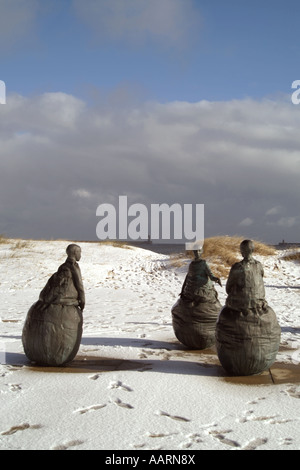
x: 133, y: 386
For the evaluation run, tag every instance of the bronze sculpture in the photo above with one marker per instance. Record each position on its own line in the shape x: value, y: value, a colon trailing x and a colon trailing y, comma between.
x: 247, y: 333
x: 53, y: 328
x: 195, y: 314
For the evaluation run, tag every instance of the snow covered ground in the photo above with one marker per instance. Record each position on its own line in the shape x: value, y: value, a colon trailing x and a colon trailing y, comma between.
x: 133, y: 386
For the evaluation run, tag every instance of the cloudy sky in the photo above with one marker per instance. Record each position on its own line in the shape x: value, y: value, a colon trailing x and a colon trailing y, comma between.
x: 164, y: 101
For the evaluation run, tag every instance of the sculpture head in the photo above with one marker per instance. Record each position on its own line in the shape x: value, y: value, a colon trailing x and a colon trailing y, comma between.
x: 198, y: 253
x: 74, y: 252
x: 247, y: 248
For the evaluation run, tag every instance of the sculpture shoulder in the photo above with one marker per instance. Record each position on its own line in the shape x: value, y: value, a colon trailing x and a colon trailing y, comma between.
x: 237, y: 267
x: 69, y: 266
x: 198, y: 266
x: 196, y: 262
x: 64, y: 269
x: 240, y: 265
x: 199, y: 263
x: 257, y: 264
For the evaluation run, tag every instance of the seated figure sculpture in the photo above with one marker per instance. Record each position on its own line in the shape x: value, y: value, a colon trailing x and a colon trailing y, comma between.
x: 247, y: 333
x: 195, y: 314
x: 53, y: 328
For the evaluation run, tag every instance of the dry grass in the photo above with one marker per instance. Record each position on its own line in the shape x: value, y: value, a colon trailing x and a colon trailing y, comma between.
x: 116, y: 243
x: 3, y: 239
x: 292, y: 256
x: 229, y: 247
x: 20, y: 244
x: 17, y: 243
x: 17, y: 247
x: 222, y: 252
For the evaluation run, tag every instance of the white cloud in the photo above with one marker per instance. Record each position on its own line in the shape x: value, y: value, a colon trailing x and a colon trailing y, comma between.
x: 274, y: 210
x: 171, y: 22
x: 246, y: 222
x: 82, y: 193
x: 42, y: 115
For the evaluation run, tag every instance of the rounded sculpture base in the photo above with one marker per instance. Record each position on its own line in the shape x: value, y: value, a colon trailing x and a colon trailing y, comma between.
x: 247, y: 342
x: 195, y: 325
x: 52, y: 333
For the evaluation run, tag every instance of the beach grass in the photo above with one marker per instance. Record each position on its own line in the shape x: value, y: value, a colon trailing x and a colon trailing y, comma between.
x: 292, y: 256
x: 221, y: 252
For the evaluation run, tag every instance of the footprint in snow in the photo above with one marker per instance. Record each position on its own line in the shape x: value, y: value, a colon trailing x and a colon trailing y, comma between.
x: 293, y: 392
x: 255, y: 443
x: 15, y: 387
x: 21, y: 427
x: 285, y: 441
x: 193, y: 439
x: 94, y: 377
x: 120, y: 403
x: 220, y: 435
x: 89, y: 408
x: 175, y: 417
x: 255, y: 402
x: 118, y: 384
x: 68, y: 445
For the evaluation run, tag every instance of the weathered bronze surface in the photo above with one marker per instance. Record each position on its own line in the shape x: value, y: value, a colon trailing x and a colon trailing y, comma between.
x: 53, y: 328
x: 247, y: 333
x: 195, y: 314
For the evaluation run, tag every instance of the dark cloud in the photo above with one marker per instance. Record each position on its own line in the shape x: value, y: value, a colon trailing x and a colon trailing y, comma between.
x: 60, y: 159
